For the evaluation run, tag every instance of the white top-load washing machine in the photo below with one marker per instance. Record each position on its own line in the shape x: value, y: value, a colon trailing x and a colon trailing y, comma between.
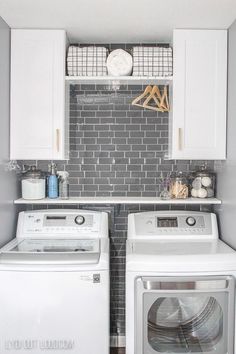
x: 180, y: 285
x: 54, y: 284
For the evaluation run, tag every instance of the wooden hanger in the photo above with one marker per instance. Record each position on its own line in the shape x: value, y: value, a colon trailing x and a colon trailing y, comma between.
x: 156, y: 96
x: 162, y: 101
x: 146, y: 92
x: 166, y: 100
x: 153, y: 93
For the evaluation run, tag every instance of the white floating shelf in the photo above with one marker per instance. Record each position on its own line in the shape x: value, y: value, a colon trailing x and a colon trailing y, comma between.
x: 119, y: 200
x: 123, y: 80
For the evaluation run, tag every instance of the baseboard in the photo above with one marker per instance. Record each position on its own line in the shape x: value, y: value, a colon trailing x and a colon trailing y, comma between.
x: 117, y: 341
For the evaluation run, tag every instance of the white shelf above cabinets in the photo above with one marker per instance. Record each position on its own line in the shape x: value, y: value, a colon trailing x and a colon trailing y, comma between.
x: 119, y: 200
x: 120, y: 80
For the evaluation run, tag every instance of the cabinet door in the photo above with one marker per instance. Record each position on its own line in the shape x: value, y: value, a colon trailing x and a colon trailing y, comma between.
x: 198, y: 129
x: 38, y: 94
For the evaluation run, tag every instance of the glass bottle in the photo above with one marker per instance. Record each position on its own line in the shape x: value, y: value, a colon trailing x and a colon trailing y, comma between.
x: 53, y: 183
x: 63, y: 184
x: 165, y: 193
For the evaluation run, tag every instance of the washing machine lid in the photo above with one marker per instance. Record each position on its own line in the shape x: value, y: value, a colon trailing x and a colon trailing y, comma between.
x: 180, y: 255
x: 80, y: 251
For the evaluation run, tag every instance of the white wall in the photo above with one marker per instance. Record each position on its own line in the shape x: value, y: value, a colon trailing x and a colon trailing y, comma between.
x: 226, y: 174
x: 8, y: 183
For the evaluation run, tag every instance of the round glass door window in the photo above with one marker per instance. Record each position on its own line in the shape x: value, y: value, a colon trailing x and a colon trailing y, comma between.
x: 185, y: 324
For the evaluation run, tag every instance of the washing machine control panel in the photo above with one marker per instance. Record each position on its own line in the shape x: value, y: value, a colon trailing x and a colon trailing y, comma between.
x: 182, y: 223
x: 53, y: 223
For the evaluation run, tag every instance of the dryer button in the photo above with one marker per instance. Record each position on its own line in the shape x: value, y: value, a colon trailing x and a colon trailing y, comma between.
x: 79, y: 219
x: 191, y: 221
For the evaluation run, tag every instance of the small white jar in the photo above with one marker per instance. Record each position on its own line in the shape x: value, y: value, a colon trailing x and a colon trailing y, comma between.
x: 33, y: 184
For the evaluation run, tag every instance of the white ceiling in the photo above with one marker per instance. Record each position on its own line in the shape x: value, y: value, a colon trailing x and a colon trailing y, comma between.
x: 114, y: 21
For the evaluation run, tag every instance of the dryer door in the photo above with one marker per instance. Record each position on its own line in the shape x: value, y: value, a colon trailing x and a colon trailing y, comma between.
x: 185, y: 315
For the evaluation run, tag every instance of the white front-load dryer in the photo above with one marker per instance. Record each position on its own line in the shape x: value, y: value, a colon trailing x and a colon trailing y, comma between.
x: 180, y: 285
x: 54, y: 276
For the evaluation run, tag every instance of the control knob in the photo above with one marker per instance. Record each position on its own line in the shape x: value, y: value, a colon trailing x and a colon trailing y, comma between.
x: 191, y: 221
x: 79, y: 220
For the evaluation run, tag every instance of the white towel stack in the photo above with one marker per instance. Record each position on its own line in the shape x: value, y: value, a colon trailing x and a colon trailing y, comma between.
x: 119, y: 63
x: 152, y: 61
x: 86, y: 61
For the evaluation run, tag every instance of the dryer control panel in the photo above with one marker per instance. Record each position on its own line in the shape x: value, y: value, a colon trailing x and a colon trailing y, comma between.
x: 172, y: 224
x: 72, y: 223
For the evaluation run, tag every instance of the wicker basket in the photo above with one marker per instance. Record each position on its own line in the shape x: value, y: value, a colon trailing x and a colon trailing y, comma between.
x: 152, y: 61
x: 86, y: 61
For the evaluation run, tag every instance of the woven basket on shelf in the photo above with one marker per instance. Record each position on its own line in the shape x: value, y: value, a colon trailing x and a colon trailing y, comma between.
x: 152, y: 61
x: 86, y: 61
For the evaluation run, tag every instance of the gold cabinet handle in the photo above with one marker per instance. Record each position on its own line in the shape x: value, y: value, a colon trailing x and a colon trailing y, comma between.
x: 58, y: 139
x: 180, y: 139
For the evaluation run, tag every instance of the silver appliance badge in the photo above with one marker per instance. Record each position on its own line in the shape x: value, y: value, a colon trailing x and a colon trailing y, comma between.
x: 96, y: 278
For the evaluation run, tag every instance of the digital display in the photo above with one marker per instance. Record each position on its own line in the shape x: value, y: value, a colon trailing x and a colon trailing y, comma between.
x: 167, y: 222
x: 56, y: 217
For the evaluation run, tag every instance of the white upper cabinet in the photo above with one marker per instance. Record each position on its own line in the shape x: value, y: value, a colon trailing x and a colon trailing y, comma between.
x: 39, y: 129
x: 198, y: 124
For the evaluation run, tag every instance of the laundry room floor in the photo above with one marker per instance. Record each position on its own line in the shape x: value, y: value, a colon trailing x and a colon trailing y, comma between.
x: 117, y: 351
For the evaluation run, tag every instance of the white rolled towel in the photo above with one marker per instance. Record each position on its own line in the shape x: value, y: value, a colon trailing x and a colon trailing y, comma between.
x: 119, y: 63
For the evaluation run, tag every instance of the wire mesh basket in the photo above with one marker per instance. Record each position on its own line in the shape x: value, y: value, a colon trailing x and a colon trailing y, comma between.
x: 86, y: 61
x: 152, y: 61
